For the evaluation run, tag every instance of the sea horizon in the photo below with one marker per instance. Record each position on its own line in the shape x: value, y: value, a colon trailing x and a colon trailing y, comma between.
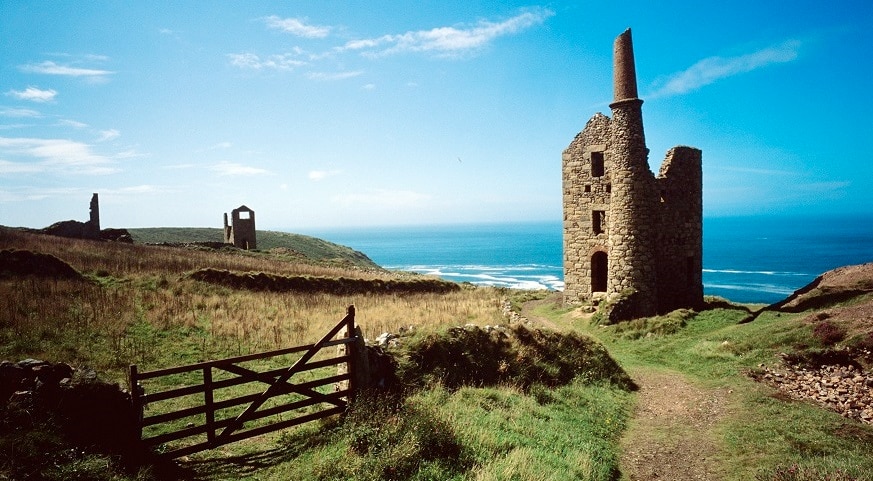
x: 748, y: 259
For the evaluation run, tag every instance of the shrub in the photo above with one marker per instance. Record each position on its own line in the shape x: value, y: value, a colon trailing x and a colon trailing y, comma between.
x: 828, y: 333
x: 517, y: 356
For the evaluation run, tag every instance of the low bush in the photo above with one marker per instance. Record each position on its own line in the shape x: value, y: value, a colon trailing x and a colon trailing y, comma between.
x: 648, y: 326
x: 828, y: 333
x: 517, y: 356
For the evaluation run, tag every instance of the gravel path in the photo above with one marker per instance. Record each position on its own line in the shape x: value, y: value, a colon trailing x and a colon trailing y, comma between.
x: 671, y: 435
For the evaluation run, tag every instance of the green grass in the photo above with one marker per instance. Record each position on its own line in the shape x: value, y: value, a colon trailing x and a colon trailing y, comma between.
x: 313, y: 248
x: 477, y: 418
x: 495, y: 433
x: 764, y: 433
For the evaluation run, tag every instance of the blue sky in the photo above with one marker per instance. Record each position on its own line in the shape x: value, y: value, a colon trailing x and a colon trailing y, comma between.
x: 324, y: 114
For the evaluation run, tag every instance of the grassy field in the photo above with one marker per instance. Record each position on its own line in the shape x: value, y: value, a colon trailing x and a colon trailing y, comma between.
x: 138, y: 304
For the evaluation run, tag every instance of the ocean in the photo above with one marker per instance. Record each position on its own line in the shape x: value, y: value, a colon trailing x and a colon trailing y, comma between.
x: 748, y: 259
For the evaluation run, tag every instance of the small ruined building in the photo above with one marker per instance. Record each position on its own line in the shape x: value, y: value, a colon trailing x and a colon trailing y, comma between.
x: 241, y: 231
x: 89, y: 229
x: 631, y: 239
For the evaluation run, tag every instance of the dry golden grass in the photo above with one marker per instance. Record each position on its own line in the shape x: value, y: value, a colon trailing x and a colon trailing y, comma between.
x: 137, y: 306
x: 125, y: 260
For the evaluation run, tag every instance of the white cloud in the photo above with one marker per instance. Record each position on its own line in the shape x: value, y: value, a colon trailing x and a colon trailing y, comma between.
x: 72, y: 123
x: 134, y: 189
x: 298, y: 27
x: 34, y: 94
x: 60, y: 156
x: 712, y: 69
x: 285, y: 61
x: 110, y: 134
x: 7, y: 167
x: 19, y: 113
x: 448, y: 41
x: 382, y: 198
x: 369, y: 86
x: 51, y: 68
x: 317, y: 175
x: 334, y: 76
x: 231, y: 168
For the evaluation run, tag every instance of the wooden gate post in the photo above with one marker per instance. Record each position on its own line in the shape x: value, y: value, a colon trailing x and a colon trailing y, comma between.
x: 357, y: 366
x: 135, y: 402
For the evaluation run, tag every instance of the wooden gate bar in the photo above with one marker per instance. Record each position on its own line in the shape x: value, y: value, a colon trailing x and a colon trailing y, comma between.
x: 278, y: 381
x: 243, y: 417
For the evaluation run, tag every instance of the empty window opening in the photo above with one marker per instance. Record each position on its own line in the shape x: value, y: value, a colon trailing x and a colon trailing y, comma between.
x: 597, y: 164
x: 608, y: 188
x: 598, y: 221
x: 587, y: 189
x: 244, y: 214
x: 599, y: 270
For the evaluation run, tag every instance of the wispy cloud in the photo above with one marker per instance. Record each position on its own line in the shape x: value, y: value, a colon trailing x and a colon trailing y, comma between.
x: 712, y: 69
x: 317, y: 175
x: 72, y: 123
x: 34, y: 94
x: 328, y: 76
x: 448, y: 41
x: 297, y: 26
x: 134, y: 189
x: 106, y: 135
x: 19, y: 113
x: 59, y: 156
x: 7, y: 167
x: 231, y: 168
x: 51, y: 68
x: 284, y: 61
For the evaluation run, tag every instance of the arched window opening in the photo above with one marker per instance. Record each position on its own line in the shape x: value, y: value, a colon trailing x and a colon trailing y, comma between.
x: 599, y: 269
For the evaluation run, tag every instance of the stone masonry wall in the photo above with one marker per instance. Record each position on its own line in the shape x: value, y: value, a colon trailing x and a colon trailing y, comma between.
x: 633, y: 223
x: 582, y: 194
x: 646, y: 230
x: 680, y: 240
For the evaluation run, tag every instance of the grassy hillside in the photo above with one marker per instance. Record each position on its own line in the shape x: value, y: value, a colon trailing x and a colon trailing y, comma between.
x: 310, y: 247
x: 475, y: 403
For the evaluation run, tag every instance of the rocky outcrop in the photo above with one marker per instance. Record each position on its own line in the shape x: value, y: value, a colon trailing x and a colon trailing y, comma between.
x: 846, y: 388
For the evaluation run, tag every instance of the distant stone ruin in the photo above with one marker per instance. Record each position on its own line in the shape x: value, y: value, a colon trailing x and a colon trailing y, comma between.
x: 631, y: 239
x: 241, y: 231
x: 89, y: 229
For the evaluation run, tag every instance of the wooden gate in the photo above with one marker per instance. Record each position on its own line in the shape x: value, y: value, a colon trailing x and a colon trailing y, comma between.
x: 202, y: 408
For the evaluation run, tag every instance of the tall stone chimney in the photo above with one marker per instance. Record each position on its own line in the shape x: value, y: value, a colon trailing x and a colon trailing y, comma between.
x: 624, y: 73
x: 632, y: 260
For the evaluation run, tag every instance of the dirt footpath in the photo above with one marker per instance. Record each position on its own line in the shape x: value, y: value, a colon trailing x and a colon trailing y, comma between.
x: 671, y: 435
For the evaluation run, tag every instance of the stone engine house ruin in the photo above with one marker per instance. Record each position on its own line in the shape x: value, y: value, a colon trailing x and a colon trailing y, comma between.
x: 630, y: 238
x: 241, y: 231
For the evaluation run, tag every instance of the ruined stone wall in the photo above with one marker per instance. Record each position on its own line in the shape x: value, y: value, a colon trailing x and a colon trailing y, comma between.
x: 584, y: 193
x: 628, y: 234
x: 93, y: 224
x: 241, y: 231
x: 680, y: 240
